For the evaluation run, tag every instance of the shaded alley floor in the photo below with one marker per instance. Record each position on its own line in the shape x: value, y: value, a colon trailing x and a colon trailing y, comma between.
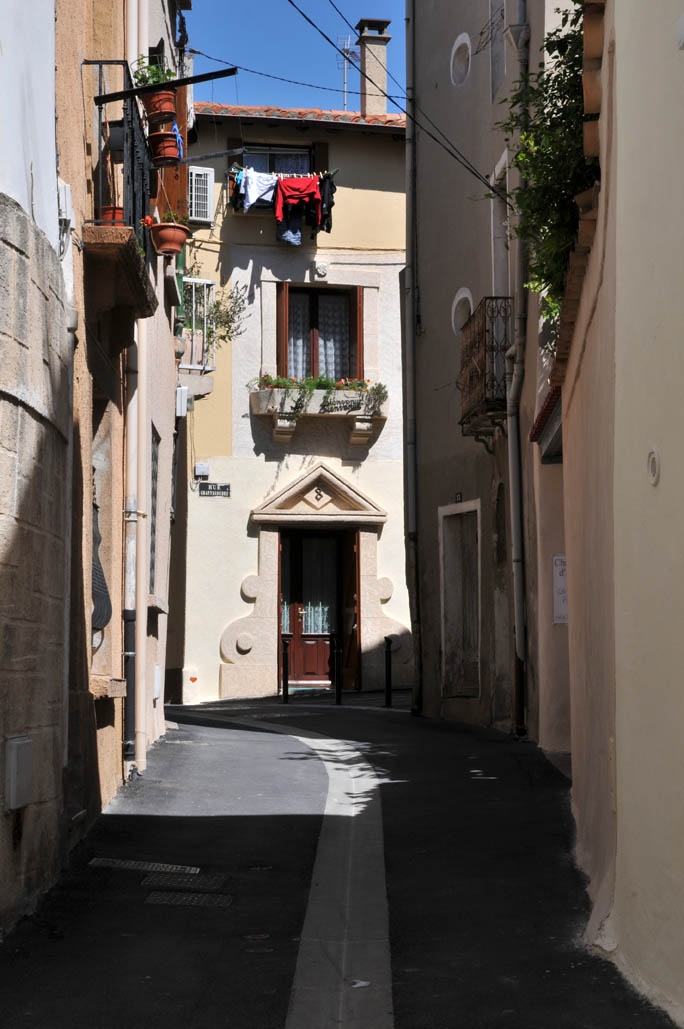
x: 312, y: 866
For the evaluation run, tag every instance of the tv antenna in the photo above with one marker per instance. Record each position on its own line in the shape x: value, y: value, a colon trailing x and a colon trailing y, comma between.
x: 349, y: 53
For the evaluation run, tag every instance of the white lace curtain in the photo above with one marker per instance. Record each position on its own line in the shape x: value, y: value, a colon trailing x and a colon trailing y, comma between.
x: 298, y: 336
x: 333, y: 336
x: 319, y: 584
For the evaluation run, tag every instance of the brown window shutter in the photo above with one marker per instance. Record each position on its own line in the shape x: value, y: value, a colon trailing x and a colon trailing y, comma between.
x: 282, y: 297
x: 356, y: 371
x: 319, y: 157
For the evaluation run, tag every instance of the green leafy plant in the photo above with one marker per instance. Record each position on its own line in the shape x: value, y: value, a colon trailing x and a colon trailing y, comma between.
x: 371, y: 400
x: 175, y: 218
x: 146, y: 73
x: 227, y: 313
x: 545, y: 133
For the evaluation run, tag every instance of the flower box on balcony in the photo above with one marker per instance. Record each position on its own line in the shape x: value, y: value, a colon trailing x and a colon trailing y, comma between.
x: 363, y: 409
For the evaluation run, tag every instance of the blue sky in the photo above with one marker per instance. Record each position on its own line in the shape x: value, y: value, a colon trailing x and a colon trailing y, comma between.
x: 279, y: 41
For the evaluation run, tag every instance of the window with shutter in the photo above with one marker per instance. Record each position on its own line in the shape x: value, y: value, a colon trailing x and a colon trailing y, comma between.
x: 201, y: 194
x: 320, y: 332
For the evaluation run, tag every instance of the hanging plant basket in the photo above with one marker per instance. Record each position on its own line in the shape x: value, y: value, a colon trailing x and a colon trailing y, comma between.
x: 169, y: 238
x: 111, y: 215
x: 160, y: 106
x: 163, y: 148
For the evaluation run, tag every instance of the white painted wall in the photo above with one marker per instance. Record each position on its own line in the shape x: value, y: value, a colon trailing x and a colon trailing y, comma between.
x: 223, y: 550
x: 27, y: 114
x: 648, y: 920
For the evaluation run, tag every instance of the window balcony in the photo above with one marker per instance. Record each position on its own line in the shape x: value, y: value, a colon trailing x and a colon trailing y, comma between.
x: 485, y: 338
x: 363, y: 411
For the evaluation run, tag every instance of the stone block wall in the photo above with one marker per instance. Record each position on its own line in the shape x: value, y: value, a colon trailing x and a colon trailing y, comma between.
x: 34, y: 432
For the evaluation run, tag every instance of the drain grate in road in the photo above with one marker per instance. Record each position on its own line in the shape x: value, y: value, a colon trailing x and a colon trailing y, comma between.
x: 142, y: 866
x: 172, y: 881
x: 193, y: 900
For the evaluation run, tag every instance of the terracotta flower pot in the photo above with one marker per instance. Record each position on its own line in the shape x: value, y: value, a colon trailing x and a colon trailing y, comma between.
x: 111, y: 215
x: 169, y: 238
x: 163, y: 148
x: 160, y: 106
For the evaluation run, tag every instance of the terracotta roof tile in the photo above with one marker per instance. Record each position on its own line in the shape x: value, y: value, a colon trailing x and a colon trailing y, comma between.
x: 300, y: 114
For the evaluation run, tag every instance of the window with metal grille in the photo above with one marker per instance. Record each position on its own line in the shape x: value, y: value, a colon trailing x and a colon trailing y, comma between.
x: 154, y: 468
x: 201, y: 194
x: 199, y: 333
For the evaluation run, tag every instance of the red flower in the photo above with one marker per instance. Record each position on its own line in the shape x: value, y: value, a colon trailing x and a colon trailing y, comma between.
x: 147, y: 220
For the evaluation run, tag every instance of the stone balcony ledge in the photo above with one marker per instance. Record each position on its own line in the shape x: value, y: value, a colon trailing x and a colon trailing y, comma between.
x: 286, y: 408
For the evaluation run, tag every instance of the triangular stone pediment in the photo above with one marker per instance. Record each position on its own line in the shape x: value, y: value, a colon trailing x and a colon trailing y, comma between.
x: 321, y: 496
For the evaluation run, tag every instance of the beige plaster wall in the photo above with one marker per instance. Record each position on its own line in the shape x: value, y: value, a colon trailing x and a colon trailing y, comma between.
x: 590, y: 511
x: 224, y: 549
x: 369, y: 203
x: 649, y: 608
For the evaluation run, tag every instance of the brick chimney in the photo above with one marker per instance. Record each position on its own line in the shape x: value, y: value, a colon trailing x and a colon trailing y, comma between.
x: 373, y: 42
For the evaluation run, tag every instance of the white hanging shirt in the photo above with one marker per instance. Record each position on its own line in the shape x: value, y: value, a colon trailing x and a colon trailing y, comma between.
x: 258, y: 186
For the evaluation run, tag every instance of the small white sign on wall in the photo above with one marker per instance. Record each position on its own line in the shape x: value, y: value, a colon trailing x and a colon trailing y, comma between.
x: 560, y: 591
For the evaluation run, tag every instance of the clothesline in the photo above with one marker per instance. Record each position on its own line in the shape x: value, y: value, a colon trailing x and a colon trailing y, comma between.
x: 287, y: 175
x: 295, y: 198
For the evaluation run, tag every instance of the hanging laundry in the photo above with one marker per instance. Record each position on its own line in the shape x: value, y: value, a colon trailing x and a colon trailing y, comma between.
x: 258, y: 186
x: 289, y: 228
x: 291, y: 191
x: 296, y: 198
x: 328, y: 188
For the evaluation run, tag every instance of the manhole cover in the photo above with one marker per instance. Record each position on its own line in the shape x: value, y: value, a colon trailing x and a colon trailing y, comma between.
x: 142, y: 866
x: 172, y: 881
x: 191, y: 900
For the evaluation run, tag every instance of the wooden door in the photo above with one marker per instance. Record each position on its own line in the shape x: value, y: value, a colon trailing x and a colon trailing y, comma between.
x: 350, y: 620
x: 309, y: 580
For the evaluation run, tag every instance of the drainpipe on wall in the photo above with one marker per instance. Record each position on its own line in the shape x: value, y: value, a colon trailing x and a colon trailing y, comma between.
x: 515, y: 371
x: 71, y: 329
x: 410, y: 322
x: 142, y: 570
x: 130, y: 534
x: 131, y: 488
x: 132, y: 51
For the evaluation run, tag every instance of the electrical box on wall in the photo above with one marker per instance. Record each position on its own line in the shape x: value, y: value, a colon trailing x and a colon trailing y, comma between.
x: 18, y: 772
x: 202, y: 469
x: 181, y: 401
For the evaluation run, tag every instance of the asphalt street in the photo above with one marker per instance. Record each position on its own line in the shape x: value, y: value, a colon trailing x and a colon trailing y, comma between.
x: 312, y: 866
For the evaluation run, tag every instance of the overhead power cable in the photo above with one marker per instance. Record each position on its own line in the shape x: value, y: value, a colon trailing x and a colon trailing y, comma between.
x: 280, y: 78
x: 420, y: 111
x: 449, y: 147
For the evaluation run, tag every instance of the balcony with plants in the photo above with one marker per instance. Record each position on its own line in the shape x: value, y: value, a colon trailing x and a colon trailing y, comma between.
x: 286, y: 401
x: 137, y: 139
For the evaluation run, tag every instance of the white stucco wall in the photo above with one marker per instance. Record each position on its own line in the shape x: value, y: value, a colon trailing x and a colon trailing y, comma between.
x: 223, y: 548
x: 649, y: 560
x: 27, y: 115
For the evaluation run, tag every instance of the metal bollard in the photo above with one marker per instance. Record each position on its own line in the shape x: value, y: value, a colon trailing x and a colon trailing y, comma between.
x: 388, y: 671
x: 286, y: 671
x: 337, y: 669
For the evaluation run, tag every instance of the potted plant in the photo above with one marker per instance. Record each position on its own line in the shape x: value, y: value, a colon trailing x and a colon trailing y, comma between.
x: 170, y: 235
x: 164, y: 148
x: 159, y: 104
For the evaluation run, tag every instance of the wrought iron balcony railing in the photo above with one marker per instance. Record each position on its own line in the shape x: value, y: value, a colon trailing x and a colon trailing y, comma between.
x: 485, y: 338
x: 123, y: 161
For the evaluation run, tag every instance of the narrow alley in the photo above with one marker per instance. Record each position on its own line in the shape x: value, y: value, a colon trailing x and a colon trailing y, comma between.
x: 314, y: 866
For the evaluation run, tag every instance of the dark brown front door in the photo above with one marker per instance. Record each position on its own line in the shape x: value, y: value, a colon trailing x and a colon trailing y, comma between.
x: 318, y: 597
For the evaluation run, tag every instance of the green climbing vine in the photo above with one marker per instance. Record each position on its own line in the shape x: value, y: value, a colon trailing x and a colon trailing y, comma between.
x: 544, y: 130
